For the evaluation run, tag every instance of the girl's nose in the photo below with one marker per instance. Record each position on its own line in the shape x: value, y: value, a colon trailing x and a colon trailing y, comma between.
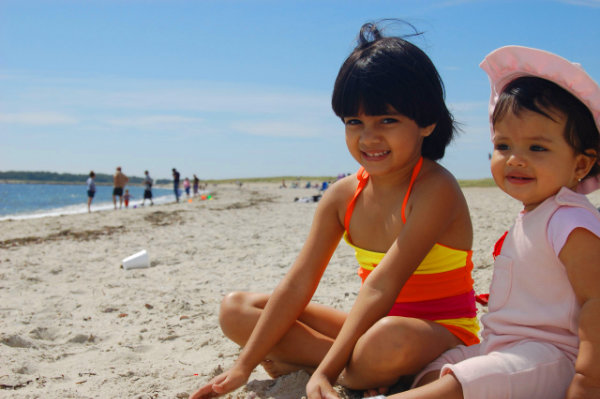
x: 369, y: 135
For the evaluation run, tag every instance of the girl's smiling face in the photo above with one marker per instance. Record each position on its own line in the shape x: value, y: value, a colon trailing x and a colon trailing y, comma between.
x: 532, y: 160
x: 384, y: 143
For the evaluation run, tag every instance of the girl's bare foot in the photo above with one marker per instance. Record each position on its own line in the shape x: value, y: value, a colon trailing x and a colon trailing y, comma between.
x: 277, y: 368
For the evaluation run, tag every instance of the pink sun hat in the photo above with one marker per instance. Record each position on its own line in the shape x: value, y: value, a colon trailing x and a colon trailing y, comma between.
x: 507, y: 63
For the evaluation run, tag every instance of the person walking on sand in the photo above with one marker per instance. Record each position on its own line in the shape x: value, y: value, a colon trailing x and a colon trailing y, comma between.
x: 186, y: 186
x: 119, y: 182
x: 147, y: 188
x: 176, y: 184
x: 408, y: 222
x: 91, y: 190
x: 196, y: 185
x: 127, y: 197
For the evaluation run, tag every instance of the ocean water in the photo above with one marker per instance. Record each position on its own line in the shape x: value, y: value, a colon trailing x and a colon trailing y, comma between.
x: 20, y: 201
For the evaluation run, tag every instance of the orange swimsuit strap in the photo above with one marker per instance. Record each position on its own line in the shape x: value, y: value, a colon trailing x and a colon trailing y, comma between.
x: 363, y: 177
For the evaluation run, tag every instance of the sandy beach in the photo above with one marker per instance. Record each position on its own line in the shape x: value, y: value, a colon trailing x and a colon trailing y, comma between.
x: 74, y: 324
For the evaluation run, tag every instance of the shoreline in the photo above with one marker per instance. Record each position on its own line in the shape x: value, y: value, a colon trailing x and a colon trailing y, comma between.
x: 27, y: 209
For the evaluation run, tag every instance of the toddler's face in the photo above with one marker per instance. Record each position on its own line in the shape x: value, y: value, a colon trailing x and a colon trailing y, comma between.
x: 531, y: 159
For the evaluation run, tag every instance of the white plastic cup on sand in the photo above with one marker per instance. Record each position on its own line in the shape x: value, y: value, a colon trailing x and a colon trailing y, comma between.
x: 138, y: 260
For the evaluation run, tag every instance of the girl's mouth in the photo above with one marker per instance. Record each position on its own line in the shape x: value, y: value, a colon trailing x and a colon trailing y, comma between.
x: 375, y: 155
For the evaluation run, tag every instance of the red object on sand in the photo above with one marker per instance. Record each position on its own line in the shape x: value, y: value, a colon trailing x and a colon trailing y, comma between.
x: 482, y: 299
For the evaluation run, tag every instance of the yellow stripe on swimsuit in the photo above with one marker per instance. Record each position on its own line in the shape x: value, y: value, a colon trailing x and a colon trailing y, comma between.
x: 440, y: 289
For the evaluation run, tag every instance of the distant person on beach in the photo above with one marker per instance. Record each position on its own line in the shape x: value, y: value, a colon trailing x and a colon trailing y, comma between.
x: 541, y: 336
x: 126, y: 198
x: 196, y: 185
x: 91, y: 190
x: 147, y: 188
x: 186, y: 187
x: 176, y: 184
x: 408, y: 222
x: 119, y: 182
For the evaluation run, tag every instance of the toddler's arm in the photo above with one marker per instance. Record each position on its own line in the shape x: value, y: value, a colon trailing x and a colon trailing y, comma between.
x: 581, y: 257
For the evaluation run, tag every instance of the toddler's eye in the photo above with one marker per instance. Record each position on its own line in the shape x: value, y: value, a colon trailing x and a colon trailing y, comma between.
x: 537, y: 148
x: 501, y: 147
x: 389, y: 120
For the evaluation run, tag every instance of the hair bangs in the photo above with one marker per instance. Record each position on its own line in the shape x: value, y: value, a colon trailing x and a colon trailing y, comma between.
x: 362, y: 91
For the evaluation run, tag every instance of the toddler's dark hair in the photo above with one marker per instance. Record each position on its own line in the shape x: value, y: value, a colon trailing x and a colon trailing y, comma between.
x: 543, y: 96
x: 390, y: 71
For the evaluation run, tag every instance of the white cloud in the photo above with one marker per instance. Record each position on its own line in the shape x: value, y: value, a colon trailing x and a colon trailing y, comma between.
x: 37, y: 118
x: 288, y: 128
x: 150, y: 121
x: 165, y: 96
x: 176, y: 106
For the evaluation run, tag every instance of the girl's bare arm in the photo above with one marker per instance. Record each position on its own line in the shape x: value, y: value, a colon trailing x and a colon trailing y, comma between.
x: 435, y: 204
x: 289, y: 298
x: 581, y: 257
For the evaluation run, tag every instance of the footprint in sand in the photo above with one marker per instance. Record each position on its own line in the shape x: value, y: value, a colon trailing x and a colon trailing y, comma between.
x: 43, y: 333
x: 15, y: 341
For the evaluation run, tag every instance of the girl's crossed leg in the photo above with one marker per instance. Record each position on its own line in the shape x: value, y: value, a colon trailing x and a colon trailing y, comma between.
x: 391, y: 348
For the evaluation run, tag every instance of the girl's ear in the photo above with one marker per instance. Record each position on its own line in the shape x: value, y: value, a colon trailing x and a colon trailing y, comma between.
x: 427, y: 130
x: 585, y: 162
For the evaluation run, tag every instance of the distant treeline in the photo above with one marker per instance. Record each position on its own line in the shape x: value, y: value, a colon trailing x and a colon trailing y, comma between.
x: 64, y: 178
x: 68, y: 178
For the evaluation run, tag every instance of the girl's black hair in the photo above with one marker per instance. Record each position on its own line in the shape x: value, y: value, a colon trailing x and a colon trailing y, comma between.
x: 543, y: 96
x: 390, y: 71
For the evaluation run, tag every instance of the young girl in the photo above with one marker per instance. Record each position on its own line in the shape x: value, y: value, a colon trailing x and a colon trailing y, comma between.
x: 541, y: 337
x: 406, y: 218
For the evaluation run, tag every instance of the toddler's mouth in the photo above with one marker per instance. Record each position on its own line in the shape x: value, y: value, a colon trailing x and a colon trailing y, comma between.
x: 519, y: 179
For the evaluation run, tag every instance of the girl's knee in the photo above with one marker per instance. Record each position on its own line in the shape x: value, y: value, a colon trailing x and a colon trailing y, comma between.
x: 239, y: 312
x: 396, y: 342
x: 231, y: 309
x: 386, y: 341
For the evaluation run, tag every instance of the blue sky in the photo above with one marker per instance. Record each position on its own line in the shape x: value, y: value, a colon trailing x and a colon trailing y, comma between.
x: 232, y: 88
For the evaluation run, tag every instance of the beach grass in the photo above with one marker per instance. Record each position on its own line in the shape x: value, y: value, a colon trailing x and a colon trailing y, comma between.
x: 275, y: 179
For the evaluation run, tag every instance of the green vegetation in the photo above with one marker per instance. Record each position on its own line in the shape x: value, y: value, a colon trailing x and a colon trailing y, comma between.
x: 68, y: 178
x: 477, y: 183
x: 319, y: 179
x: 275, y: 179
x: 64, y: 178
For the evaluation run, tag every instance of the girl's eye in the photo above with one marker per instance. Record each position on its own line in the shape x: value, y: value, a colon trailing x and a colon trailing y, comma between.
x: 501, y: 147
x: 352, y: 122
x: 387, y: 121
x: 537, y: 148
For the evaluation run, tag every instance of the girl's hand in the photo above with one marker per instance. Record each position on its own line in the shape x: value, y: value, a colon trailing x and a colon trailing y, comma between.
x: 224, y: 383
x: 319, y: 387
